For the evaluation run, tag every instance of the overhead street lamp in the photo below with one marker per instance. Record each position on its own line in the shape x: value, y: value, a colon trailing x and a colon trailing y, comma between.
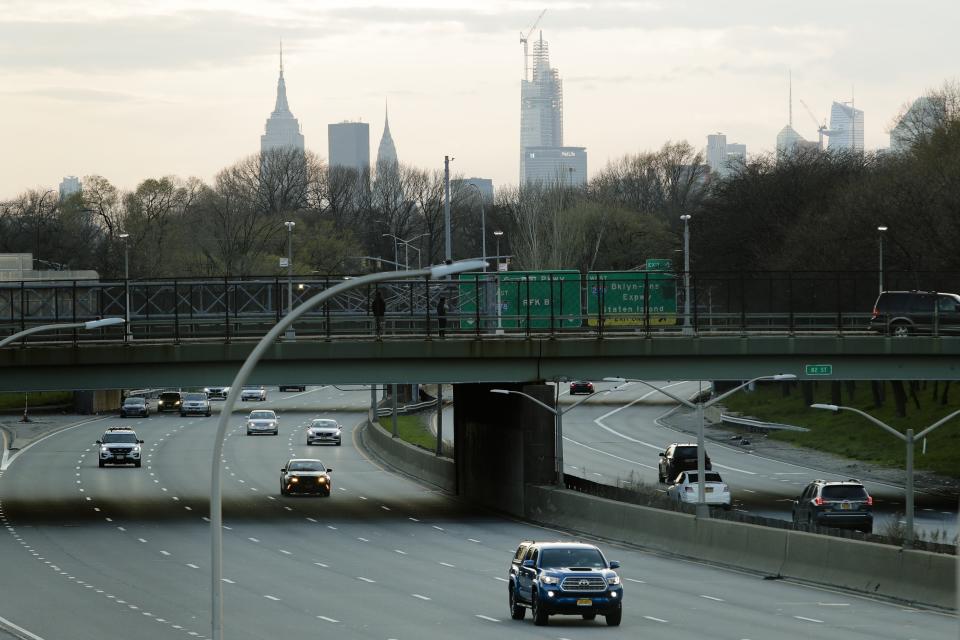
x: 397, y: 240
x: 702, y: 510
x: 291, y: 332
x: 881, y: 230
x: 88, y: 325
x: 558, y: 425
x: 687, y: 329
x: 909, y: 439
x: 126, y: 282
x: 216, y: 496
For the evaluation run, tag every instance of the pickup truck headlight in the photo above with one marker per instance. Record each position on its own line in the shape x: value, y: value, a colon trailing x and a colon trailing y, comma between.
x: 614, y: 579
x: 549, y: 579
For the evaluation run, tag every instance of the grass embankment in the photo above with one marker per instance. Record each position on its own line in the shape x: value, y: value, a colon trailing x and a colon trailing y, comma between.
x: 411, y: 429
x: 15, y: 401
x: 853, y: 436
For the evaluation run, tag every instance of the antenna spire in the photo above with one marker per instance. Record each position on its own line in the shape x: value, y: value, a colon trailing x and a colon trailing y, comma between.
x: 790, y: 82
x: 281, y: 57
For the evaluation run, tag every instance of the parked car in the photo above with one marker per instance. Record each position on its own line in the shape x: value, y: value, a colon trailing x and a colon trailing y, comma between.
x: 135, y: 406
x: 253, y: 393
x: 169, y: 401
x: 324, y: 430
x: 900, y: 313
x: 195, y: 403
x: 305, y: 476
x: 581, y: 386
x: 262, y: 421
x: 119, y: 445
x: 569, y: 578
x: 685, y: 489
x: 217, y: 392
x: 835, y: 503
x: 292, y: 387
x: 679, y: 457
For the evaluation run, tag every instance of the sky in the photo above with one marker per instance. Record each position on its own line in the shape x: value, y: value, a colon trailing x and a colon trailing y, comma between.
x: 138, y: 89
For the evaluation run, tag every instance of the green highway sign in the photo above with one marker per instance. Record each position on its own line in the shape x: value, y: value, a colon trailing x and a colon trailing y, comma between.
x: 659, y: 264
x: 621, y: 298
x: 819, y: 369
x: 544, y: 298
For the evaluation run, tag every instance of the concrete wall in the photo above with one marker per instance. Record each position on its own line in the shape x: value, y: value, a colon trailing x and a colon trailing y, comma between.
x: 408, y: 458
x: 95, y: 402
x: 866, y: 567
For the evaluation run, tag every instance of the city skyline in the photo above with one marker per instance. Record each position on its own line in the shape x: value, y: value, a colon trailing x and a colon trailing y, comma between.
x: 133, y: 92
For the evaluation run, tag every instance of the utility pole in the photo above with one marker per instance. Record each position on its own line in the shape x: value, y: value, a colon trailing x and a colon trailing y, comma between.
x: 448, y: 250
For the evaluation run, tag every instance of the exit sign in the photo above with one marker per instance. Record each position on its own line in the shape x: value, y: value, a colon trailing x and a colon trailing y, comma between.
x: 819, y: 369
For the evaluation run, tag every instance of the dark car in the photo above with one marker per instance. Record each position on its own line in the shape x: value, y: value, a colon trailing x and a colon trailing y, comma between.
x: 679, y: 457
x: 305, y: 476
x: 568, y: 578
x: 581, y: 386
x: 292, y: 387
x: 841, y: 504
x: 900, y: 313
x: 135, y: 406
x: 169, y: 401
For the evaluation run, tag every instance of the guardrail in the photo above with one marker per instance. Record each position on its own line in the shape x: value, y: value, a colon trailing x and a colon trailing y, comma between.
x: 759, y: 425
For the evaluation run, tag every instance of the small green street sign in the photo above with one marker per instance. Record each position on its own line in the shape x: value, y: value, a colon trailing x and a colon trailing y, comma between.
x: 661, y: 264
x: 819, y: 369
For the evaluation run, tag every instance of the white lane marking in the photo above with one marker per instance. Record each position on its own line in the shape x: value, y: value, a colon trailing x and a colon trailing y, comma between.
x: 834, y: 604
x: 413, y: 519
x: 473, y: 540
x: 655, y: 619
x: 327, y: 619
x: 365, y: 579
x: 311, y: 520
x: 121, y: 528
x: 488, y: 618
x: 500, y: 579
x: 331, y: 527
x: 192, y: 566
x: 712, y: 598
x: 808, y: 619
x: 362, y: 498
x: 166, y: 553
x: 635, y: 580
x: 403, y: 553
x: 362, y: 539
x: 438, y: 528
x: 417, y: 595
x: 320, y: 564
x: 253, y: 540
x: 285, y: 552
x: 228, y: 580
x: 586, y: 446
x: 385, y: 507
x: 274, y: 598
x: 447, y: 564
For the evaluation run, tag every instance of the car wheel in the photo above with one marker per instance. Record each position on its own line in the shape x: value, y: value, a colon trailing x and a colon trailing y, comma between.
x: 283, y: 491
x: 137, y: 464
x: 516, y: 611
x: 209, y: 414
x: 248, y: 433
x: 613, y: 619
x: 183, y: 415
x: 338, y: 443
x: 101, y: 463
x: 589, y: 616
x: 123, y: 415
x: 900, y: 330
x: 540, y: 617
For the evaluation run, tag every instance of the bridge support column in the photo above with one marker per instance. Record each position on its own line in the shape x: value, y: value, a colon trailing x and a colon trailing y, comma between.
x: 501, y: 443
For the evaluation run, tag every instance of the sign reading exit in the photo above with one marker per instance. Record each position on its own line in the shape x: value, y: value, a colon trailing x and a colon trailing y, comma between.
x: 819, y: 369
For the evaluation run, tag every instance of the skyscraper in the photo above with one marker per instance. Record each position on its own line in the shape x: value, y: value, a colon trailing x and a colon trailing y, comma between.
x: 846, y: 128
x: 542, y: 154
x: 282, y: 129
x: 348, y: 145
x: 69, y: 186
x: 722, y: 156
x: 387, y: 152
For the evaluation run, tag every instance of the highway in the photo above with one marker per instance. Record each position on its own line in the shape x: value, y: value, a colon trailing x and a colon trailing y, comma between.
x: 92, y: 553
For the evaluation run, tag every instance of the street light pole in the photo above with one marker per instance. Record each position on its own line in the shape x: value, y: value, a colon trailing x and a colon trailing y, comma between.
x: 881, y: 229
x: 291, y: 332
x: 126, y: 283
x: 216, y: 496
x: 909, y: 439
x: 497, y: 235
x: 702, y: 510
x: 88, y: 325
x: 687, y: 329
x: 447, y: 248
x: 39, y: 218
x: 558, y: 422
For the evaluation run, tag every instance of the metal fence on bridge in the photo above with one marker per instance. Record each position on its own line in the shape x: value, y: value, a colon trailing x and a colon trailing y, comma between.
x: 245, y: 307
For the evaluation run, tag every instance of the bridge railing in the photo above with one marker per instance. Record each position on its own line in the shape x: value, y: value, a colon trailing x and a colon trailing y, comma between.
x: 721, y: 303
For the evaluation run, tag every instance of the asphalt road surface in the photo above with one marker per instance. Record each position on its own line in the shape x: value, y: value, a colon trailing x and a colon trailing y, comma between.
x: 91, y: 553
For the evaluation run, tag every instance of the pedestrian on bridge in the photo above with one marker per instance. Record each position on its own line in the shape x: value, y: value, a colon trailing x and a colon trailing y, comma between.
x: 442, y: 315
x: 379, y: 309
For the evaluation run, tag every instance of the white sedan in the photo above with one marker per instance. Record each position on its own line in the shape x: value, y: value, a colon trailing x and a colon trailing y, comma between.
x: 262, y: 421
x: 253, y: 393
x: 324, y: 430
x: 684, y: 489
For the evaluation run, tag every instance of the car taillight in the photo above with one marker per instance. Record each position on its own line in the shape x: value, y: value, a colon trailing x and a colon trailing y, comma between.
x: 869, y: 501
x: 818, y: 501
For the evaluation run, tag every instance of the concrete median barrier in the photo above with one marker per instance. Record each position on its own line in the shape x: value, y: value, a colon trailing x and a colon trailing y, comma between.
x: 409, y: 459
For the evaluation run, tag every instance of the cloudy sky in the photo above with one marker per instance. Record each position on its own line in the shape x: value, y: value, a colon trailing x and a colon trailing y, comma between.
x: 132, y: 89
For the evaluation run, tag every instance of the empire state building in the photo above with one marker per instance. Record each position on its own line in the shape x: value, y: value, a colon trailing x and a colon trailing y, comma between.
x: 282, y: 129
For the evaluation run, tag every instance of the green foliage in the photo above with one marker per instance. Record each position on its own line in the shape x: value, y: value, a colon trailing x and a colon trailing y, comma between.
x: 411, y: 429
x: 15, y: 401
x: 852, y: 436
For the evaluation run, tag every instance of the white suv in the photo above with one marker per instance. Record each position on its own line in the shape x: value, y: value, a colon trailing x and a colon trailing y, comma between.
x: 119, y: 445
x: 195, y: 403
x: 253, y: 393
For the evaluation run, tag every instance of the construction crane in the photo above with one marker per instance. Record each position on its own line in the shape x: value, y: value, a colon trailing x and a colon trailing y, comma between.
x: 523, y: 41
x: 821, y: 128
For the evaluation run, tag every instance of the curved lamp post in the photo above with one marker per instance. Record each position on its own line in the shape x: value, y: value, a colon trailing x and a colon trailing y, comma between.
x: 89, y: 325
x: 702, y: 510
x: 216, y: 502
x: 558, y: 425
x: 909, y: 439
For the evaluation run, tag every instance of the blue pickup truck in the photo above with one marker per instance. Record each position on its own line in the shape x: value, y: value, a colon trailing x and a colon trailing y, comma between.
x: 570, y: 578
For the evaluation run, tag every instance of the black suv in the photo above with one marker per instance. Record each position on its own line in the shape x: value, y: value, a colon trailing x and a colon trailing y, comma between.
x: 169, y: 401
x: 835, y: 503
x: 900, y: 313
x: 563, y: 578
x: 679, y: 457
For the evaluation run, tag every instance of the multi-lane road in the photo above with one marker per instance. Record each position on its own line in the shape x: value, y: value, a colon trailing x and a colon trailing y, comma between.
x: 91, y: 553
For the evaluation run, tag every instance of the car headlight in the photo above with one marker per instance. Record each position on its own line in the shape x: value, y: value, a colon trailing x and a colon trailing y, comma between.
x: 322, y: 480
x: 614, y: 579
x: 136, y: 449
x: 294, y: 480
x: 549, y: 579
x: 206, y: 389
x: 249, y: 424
x: 104, y: 449
x: 160, y: 402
